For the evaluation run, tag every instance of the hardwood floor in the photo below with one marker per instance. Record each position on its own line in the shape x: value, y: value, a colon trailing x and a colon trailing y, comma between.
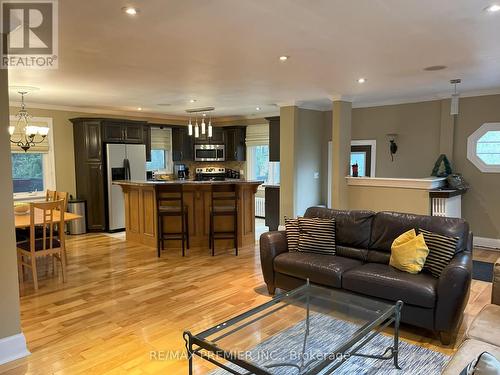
x: 121, y: 303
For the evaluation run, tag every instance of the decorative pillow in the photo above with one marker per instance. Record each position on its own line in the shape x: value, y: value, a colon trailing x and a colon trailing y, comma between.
x: 408, y: 252
x: 485, y: 364
x: 292, y: 233
x: 441, y: 251
x: 317, y: 235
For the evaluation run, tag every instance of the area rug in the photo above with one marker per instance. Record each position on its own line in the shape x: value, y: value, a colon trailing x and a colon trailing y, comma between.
x: 482, y: 271
x: 326, y: 333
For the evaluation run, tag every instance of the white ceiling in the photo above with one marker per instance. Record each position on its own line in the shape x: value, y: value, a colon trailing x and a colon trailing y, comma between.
x: 225, y: 53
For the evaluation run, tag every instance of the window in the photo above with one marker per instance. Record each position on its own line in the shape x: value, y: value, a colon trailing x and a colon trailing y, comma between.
x: 158, y: 161
x: 33, y: 172
x: 359, y: 158
x: 27, y: 172
x: 483, y: 148
x: 259, y: 167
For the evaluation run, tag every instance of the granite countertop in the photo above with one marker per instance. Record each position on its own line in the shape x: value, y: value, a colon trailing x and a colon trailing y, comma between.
x: 188, y: 182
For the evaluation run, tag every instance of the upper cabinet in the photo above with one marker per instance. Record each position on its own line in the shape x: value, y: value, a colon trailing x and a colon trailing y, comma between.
x: 217, y: 136
x: 234, y: 137
x: 274, y: 138
x: 182, y: 144
x: 123, y: 131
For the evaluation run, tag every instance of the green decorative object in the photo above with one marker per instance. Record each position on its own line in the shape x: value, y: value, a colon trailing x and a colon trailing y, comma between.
x: 442, y: 167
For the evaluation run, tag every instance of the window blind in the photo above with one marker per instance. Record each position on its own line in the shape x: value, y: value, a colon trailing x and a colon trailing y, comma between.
x: 257, y: 135
x: 42, y: 147
x: 161, y: 139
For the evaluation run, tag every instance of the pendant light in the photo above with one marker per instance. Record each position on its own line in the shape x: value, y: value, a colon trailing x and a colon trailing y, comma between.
x: 196, y: 129
x: 210, y: 127
x: 203, y: 125
x: 190, y: 127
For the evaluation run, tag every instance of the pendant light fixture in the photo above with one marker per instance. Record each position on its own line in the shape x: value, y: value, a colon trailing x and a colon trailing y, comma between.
x: 203, y: 125
x: 455, y: 97
x: 26, y: 134
x: 190, y: 127
x: 210, y: 127
x: 196, y: 129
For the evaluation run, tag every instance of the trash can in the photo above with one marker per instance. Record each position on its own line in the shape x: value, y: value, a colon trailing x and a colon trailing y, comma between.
x: 79, y: 226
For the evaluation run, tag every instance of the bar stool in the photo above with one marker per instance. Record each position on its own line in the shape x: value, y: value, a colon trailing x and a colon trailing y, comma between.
x: 170, y: 203
x: 224, y: 203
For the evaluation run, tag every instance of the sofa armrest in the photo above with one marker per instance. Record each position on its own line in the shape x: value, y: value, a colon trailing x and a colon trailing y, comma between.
x: 495, y: 295
x: 271, y: 245
x: 470, y: 242
x: 453, y: 292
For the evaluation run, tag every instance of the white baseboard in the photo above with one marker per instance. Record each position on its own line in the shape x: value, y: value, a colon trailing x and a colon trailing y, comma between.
x: 492, y: 243
x: 12, y: 348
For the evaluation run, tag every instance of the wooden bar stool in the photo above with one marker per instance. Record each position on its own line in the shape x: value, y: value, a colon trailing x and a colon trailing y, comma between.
x: 170, y: 203
x: 224, y: 203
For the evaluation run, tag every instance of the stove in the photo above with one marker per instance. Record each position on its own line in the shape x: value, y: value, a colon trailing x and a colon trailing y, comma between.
x: 210, y: 174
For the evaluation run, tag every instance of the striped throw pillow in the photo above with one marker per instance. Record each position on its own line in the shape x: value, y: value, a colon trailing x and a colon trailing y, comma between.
x: 441, y: 251
x: 292, y: 233
x: 317, y: 235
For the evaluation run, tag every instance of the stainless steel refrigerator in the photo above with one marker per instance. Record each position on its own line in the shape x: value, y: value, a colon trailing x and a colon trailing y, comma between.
x: 124, y: 162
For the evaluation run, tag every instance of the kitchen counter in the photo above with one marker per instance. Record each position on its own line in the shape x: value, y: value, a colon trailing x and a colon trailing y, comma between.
x: 186, y: 182
x: 141, y: 223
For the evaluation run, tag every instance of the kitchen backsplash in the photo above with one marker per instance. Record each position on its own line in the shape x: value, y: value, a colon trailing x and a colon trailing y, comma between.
x: 235, y: 165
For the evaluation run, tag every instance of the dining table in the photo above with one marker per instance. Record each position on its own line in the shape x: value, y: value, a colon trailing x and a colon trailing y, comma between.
x: 23, y: 220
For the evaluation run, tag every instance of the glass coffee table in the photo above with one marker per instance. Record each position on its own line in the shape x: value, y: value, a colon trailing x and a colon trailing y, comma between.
x: 309, y: 330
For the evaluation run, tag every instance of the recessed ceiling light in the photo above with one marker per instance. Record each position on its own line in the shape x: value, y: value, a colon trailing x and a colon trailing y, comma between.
x: 284, y: 58
x: 492, y: 8
x: 192, y: 100
x: 434, y: 68
x: 204, y: 115
x: 131, y: 11
x: 139, y: 108
x: 257, y: 108
x: 361, y: 80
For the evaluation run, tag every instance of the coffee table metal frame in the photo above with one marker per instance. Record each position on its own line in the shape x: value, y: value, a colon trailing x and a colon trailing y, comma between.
x: 198, y: 344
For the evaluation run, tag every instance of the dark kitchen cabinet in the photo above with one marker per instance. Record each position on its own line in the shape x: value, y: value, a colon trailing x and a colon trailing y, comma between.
x: 146, y: 135
x: 89, y: 170
x: 182, y: 144
x: 90, y: 136
x: 217, y: 136
x: 122, y: 131
x: 235, y: 143
x: 274, y: 138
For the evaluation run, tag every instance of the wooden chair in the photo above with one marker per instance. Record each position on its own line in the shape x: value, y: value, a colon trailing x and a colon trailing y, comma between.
x: 49, y: 214
x: 170, y: 203
x: 224, y: 203
x: 50, y: 195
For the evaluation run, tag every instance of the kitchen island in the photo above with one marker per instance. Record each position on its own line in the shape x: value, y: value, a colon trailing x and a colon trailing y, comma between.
x: 141, y: 216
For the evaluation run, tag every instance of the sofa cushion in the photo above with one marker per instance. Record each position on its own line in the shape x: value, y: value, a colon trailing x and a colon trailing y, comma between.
x: 317, y: 235
x: 292, y: 233
x: 320, y: 269
x: 389, y: 225
x: 441, y: 251
x: 486, y: 325
x: 353, y: 228
x: 467, y: 352
x: 383, y: 281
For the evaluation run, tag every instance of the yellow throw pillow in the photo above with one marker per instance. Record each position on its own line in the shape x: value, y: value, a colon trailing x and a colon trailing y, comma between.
x: 408, y: 252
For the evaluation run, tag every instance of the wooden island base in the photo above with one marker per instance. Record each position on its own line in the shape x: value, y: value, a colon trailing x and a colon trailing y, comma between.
x: 141, y: 217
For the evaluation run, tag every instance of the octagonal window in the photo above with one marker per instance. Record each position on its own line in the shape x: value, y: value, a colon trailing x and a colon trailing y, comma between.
x: 483, y: 148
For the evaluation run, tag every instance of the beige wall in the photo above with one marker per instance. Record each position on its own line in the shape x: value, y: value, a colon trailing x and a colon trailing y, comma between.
x: 388, y: 199
x: 418, y: 129
x: 9, y: 288
x: 420, y: 126
x: 288, y: 129
x: 481, y: 204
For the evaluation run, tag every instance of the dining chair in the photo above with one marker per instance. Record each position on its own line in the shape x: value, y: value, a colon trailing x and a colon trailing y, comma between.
x: 51, y: 243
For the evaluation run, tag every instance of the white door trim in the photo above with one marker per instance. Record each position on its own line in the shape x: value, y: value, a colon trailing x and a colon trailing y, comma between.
x: 373, y: 144
x: 12, y: 348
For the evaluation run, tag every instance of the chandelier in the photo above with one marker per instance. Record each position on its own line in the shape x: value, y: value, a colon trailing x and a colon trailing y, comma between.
x: 202, y: 128
x: 26, y: 133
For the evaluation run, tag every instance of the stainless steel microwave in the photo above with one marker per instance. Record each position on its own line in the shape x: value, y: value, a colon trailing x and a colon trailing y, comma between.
x: 209, y: 153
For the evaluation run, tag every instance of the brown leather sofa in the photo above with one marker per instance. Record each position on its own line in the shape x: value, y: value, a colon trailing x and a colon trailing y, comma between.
x: 361, y: 265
